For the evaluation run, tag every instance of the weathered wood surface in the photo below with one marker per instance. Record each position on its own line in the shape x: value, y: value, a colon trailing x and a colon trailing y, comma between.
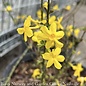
x: 80, y: 21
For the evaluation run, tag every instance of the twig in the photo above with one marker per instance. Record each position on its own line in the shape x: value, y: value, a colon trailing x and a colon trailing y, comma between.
x: 16, y: 64
x: 41, y: 10
x: 83, y: 34
x: 67, y: 17
x: 48, y: 11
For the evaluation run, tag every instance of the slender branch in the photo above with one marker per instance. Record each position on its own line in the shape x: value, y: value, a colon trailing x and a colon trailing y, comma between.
x: 48, y: 11
x: 41, y: 10
x: 16, y: 64
x: 67, y: 17
x: 83, y: 34
x: 43, y: 62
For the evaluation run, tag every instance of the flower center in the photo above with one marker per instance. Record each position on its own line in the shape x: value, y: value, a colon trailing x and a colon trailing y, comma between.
x: 52, y: 36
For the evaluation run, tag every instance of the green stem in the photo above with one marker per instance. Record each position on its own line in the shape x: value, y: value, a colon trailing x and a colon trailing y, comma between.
x: 43, y: 62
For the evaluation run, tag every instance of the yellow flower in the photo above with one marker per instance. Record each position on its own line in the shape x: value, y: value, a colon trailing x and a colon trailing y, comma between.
x: 51, y: 36
x: 39, y: 14
x: 54, y: 58
x: 34, y: 38
x: 78, y: 68
x: 26, y: 30
x: 9, y: 8
x: 68, y: 7
x: 76, y: 32
x: 36, y: 73
x: 55, y: 7
x: 23, y: 17
x: 81, y: 80
x: 59, y: 26
x: 78, y: 53
x: 52, y: 19
x: 45, y: 5
x: 70, y: 45
x: 69, y: 30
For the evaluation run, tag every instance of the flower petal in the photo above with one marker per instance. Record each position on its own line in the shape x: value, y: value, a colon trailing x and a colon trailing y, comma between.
x: 74, y: 67
x: 28, y: 32
x: 59, y: 34
x: 49, y: 63
x: 25, y: 37
x: 53, y: 27
x: 45, y: 30
x: 27, y: 22
x: 52, y: 19
x: 58, y: 44
x: 46, y: 56
x: 57, y: 64
x: 60, y: 19
x: 61, y: 27
x: 60, y: 58
x: 76, y: 73
x: 49, y: 44
x: 57, y: 51
x: 20, y: 30
x: 42, y: 36
x: 34, y: 38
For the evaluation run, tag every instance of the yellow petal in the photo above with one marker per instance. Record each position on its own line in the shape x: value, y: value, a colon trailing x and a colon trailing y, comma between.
x: 28, y: 32
x: 53, y: 27
x: 27, y: 22
x: 59, y: 34
x: 74, y: 67
x: 45, y: 5
x: 44, y: 21
x: 61, y: 27
x: 34, y: 38
x: 46, y: 56
x: 57, y: 64
x: 25, y: 37
x: 52, y: 19
x: 59, y: 44
x: 57, y: 51
x: 8, y: 8
x: 42, y: 36
x: 60, y: 19
x: 45, y: 30
x: 76, y: 73
x: 60, y: 58
x: 20, y: 30
x: 68, y: 7
x: 49, y: 63
x: 36, y: 73
x: 55, y: 7
x: 76, y: 32
x: 80, y: 66
x: 49, y: 44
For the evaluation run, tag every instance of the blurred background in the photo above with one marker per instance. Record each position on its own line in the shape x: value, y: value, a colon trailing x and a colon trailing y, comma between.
x: 11, y: 43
